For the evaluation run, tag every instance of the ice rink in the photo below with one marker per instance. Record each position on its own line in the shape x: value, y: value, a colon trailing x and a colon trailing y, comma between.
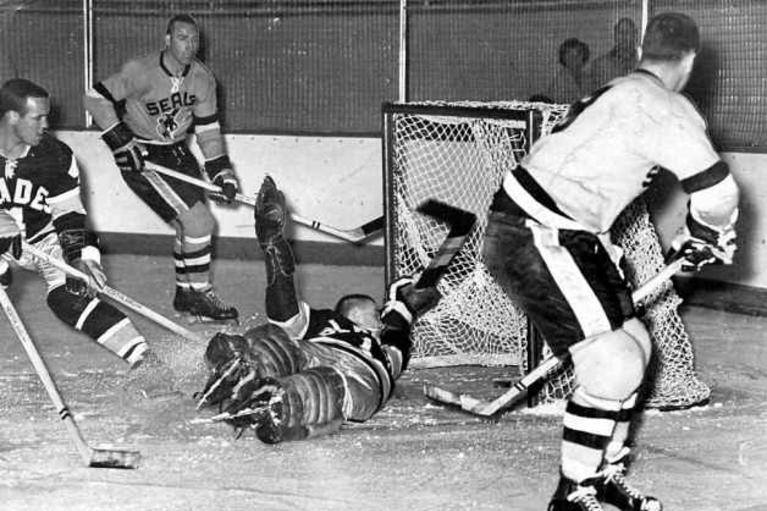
x: 414, y: 455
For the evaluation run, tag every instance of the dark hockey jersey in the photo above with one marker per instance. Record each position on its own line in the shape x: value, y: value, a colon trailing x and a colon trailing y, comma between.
x: 42, y: 188
x: 331, y: 328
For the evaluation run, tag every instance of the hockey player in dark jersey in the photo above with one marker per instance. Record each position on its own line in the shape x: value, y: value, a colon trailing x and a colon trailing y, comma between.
x: 309, y: 370
x: 547, y: 243
x: 40, y: 203
x: 161, y: 98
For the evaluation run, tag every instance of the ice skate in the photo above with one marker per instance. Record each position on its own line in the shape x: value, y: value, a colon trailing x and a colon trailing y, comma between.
x: 204, y: 305
x: 261, y: 407
x: 572, y: 496
x: 618, y: 492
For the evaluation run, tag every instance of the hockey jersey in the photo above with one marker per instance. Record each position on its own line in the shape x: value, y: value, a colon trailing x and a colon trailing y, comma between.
x: 386, y: 358
x: 41, y: 189
x: 159, y: 107
x: 605, y: 153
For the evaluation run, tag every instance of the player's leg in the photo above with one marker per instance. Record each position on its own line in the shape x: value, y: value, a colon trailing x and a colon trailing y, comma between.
x: 99, y: 320
x: 277, y: 389
x: 295, y: 407
x: 103, y: 323
x: 233, y: 360
x: 572, y: 290
x: 183, y: 206
x: 270, y: 215
x: 332, y: 386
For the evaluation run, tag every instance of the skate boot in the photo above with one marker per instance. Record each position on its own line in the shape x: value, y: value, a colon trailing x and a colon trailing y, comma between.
x: 300, y: 406
x: 259, y: 405
x: 204, y: 304
x: 618, y: 492
x: 573, y: 496
x: 152, y: 378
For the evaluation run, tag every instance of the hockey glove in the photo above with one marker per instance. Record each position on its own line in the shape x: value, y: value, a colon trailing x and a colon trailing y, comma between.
x: 128, y: 153
x: 700, y: 245
x: 10, y: 236
x: 410, y: 301
x: 220, y: 172
x: 6, y: 276
x: 80, y: 249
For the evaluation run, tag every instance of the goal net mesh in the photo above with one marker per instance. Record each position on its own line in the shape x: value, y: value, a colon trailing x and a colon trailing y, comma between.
x: 458, y: 152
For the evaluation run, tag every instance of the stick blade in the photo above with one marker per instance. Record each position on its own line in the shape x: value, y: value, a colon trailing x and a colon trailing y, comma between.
x: 112, y: 458
x: 460, y: 221
x: 464, y: 401
x: 441, y: 395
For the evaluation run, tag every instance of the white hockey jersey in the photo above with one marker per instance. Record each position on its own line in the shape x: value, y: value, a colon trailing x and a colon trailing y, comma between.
x: 605, y: 152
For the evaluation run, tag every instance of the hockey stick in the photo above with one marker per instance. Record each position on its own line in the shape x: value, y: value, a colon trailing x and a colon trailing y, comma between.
x: 488, y: 408
x: 355, y: 235
x: 461, y: 223
x: 99, y: 458
x: 116, y: 295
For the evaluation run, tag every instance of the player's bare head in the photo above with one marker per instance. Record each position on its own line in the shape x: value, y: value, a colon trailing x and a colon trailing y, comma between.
x: 670, y: 36
x: 625, y: 34
x: 182, y: 38
x: 573, y: 52
x: 361, y: 309
x: 25, y: 106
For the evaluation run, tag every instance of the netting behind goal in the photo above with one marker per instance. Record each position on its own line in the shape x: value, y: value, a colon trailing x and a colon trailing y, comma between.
x: 458, y: 153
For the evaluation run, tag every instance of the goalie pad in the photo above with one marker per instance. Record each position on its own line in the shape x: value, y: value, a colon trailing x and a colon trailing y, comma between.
x: 297, y: 407
x: 235, y: 360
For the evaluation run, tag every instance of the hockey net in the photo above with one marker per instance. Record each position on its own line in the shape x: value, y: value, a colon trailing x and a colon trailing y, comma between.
x: 458, y: 152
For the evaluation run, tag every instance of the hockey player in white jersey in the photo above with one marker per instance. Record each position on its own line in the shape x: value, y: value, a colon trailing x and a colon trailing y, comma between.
x: 548, y: 245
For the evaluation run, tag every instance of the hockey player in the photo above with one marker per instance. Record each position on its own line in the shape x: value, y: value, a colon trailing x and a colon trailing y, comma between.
x: 163, y: 95
x: 40, y: 203
x: 309, y: 370
x: 548, y: 245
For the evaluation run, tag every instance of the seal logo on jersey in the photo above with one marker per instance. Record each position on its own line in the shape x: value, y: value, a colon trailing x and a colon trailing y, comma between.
x: 167, y: 124
x: 172, y: 113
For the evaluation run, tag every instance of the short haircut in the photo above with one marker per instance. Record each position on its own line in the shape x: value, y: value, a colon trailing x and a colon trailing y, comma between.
x: 14, y: 95
x: 669, y: 37
x: 348, y: 302
x: 181, y: 18
x: 573, y: 43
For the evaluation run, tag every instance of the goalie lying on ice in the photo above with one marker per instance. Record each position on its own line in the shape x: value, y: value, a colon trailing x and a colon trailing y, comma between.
x: 308, y: 370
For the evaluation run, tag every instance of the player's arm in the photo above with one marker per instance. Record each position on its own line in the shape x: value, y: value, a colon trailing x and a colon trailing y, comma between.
x: 683, y: 147
x: 207, y: 129
x: 404, y: 304
x: 79, y: 244
x: 101, y: 102
x: 709, y: 232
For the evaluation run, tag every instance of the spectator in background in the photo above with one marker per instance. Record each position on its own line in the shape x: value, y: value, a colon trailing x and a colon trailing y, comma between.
x: 620, y: 60
x: 569, y: 83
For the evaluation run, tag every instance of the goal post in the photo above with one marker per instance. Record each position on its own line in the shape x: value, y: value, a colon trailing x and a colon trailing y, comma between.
x: 458, y: 153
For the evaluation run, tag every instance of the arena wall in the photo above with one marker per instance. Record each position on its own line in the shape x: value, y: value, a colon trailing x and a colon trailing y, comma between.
x: 338, y: 181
